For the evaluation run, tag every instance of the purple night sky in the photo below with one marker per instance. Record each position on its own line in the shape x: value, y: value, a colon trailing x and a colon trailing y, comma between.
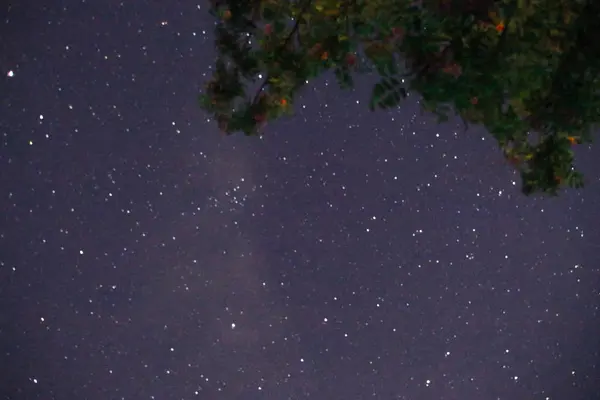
x: 346, y: 255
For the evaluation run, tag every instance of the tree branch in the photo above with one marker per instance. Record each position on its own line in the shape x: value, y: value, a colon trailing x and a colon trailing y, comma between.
x: 285, y: 43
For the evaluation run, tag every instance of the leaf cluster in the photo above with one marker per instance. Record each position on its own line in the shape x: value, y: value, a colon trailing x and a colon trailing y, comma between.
x: 522, y: 68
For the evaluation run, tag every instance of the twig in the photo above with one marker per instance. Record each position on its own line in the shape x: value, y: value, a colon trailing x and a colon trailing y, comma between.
x: 285, y: 43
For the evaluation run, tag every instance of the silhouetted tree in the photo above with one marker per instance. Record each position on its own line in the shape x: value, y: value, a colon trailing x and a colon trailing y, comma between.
x: 528, y: 70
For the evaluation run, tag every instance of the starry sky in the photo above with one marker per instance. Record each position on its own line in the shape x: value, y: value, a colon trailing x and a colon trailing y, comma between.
x: 345, y: 255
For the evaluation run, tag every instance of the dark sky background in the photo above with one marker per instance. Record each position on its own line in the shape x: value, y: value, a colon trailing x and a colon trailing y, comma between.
x: 346, y: 255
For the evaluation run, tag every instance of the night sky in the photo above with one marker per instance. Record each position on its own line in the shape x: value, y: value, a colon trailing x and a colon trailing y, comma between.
x: 345, y: 255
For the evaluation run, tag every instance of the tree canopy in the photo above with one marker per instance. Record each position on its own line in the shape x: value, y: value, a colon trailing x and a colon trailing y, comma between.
x: 527, y: 70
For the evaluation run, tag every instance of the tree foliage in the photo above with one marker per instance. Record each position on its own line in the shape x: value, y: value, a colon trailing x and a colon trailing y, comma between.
x: 527, y: 70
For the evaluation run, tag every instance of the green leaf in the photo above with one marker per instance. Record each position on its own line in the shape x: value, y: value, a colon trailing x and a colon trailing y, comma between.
x: 269, y: 12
